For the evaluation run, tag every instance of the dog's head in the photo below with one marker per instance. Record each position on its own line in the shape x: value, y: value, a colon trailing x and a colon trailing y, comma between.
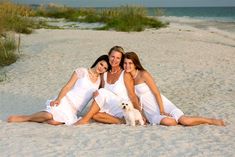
x: 127, y: 106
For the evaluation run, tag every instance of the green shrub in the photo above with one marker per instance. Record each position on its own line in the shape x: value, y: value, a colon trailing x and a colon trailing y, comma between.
x: 56, y: 11
x: 125, y: 18
x: 3, y: 75
x: 14, y: 18
x: 7, y: 50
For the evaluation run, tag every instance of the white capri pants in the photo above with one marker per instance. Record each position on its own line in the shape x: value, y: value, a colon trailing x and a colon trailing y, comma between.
x: 109, y: 103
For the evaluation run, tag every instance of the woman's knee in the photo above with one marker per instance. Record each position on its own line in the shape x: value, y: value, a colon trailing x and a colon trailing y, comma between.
x: 185, y: 121
x: 49, y: 116
x: 97, y: 116
x: 168, y: 122
x: 43, y: 114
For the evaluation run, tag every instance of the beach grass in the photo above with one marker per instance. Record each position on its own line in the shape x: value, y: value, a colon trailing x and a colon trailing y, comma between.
x: 12, y: 19
x: 57, y: 11
x: 124, y: 18
x: 8, y: 46
x: 20, y: 19
x: 15, y: 18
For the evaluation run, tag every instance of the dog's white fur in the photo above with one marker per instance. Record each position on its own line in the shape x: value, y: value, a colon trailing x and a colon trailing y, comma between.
x: 131, y: 114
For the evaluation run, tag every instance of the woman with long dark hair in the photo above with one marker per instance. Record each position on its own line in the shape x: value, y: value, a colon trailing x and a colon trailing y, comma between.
x: 72, y: 98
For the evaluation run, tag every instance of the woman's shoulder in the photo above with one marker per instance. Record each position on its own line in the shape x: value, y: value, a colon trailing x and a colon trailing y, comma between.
x: 81, y: 71
x: 126, y: 74
x: 144, y: 73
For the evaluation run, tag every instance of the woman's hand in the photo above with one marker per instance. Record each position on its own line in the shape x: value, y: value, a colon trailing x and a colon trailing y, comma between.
x: 144, y: 118
x: 95, y: 94
x: 54, y: 102
x: 166, y: 114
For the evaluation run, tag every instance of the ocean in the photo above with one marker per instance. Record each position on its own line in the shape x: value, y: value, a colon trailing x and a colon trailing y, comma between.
x: 222, y: 18
x: 224, y: 14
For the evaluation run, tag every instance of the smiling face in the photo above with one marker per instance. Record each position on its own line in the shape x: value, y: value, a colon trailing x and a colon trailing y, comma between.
x: 128, y: 65
x: 101, y: 67
x: 115, y: 58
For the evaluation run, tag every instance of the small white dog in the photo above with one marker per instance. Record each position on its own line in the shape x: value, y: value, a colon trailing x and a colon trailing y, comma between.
x: 131, y: 114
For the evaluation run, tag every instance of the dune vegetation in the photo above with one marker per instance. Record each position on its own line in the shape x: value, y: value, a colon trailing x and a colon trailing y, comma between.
x: 16, y: 19
x: 13, y: 19
x: 124, y: 18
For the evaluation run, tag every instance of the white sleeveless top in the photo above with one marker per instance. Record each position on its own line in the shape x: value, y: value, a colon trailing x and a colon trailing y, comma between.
x: 75, y: 100
x: 82, y: 91
x: 141, y: 89
x: 118, y: 88
x: 145, y: 95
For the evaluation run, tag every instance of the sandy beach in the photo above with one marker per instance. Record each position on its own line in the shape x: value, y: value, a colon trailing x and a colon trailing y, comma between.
x: 194, y: 68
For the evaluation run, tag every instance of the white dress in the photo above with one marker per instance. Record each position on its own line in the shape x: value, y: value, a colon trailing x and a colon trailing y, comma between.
x: 75, y: 100
x: 111, y: 96
x: 150, y: 105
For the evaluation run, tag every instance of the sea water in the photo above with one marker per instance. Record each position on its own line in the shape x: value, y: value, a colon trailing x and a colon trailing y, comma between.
x: 222, y: 18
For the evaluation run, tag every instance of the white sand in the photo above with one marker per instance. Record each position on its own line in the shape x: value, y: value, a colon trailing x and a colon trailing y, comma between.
x: 194, y: 68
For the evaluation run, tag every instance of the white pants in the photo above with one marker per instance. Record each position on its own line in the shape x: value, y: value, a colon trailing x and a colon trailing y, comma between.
x: 109, y: 103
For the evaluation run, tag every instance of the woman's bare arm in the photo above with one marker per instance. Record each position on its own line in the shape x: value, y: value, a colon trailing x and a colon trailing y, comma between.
x: 129, y: 83
x: 65, y: 89
x: 148, y: 79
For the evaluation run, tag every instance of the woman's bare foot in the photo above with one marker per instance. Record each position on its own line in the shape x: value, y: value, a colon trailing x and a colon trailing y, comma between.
x: 81, y: 122
x: 218, y: 122
x: 53, y: 122
x: 17, y: 118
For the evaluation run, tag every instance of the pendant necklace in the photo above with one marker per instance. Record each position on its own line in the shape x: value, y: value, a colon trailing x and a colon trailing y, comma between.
x: 114, y: 72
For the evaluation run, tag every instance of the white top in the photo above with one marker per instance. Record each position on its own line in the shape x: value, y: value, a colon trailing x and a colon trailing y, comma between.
x: 75, y: 100
x: 146, y: 97
x: 111, y: 96
x: 82, y: 91
x: 118, y: 87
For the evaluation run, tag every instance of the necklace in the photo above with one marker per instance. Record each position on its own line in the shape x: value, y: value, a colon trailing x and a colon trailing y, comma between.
x: 137, y: 71
x: 92, y: 73
x: 114, y: 72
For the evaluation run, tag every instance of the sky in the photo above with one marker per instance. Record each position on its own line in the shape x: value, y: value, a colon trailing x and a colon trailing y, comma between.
x: 147, y: 3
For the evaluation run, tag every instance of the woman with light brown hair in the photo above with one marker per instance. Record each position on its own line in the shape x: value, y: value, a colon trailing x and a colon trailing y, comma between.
x: 157, y: 108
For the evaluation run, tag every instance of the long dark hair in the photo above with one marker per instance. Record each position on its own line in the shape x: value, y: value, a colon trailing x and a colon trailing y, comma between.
x: 118, y: 49
x: 102, y: 58
x: 135, y: 59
